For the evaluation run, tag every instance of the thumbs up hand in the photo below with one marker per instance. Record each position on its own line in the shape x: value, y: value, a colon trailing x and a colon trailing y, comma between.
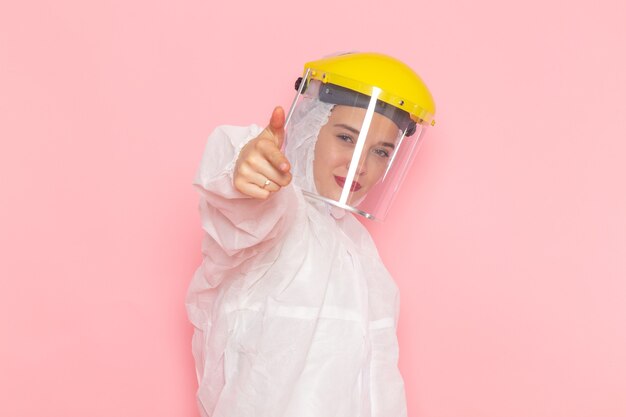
x: 261, y: 168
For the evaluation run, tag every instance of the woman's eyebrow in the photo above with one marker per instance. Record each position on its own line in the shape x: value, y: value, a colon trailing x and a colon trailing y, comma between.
x: 388, y: 144
x: 350, y: 128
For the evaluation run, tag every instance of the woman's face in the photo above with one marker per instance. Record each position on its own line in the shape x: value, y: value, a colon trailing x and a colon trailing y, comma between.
x: 335, y: 146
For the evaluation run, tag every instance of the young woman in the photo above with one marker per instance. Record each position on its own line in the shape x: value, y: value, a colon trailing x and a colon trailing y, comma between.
x: 294, y: 312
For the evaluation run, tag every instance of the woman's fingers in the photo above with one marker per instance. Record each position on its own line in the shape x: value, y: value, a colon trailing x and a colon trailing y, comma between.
x: 271, y: 154
x: 251, y: 190
x: 263, y: 182
x: 258, y: 170
x: 278, y: 160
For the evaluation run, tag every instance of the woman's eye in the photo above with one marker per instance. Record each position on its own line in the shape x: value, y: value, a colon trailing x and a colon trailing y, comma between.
x: 346, y: 138
x: 381, y: 152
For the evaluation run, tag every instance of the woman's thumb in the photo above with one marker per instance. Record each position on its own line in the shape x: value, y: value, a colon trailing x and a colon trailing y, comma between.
x: 277, y: 125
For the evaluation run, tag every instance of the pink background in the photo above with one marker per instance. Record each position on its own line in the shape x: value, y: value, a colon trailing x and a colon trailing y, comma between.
x: 509, y: 243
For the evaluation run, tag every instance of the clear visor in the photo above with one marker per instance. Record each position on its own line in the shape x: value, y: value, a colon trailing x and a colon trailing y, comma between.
x: 363, y: 151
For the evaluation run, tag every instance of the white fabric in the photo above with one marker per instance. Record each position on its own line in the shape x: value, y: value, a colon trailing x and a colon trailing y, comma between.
x: 308, y: 117
x: 294, y: 313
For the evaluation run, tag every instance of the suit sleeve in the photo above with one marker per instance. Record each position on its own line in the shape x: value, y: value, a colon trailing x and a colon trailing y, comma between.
x: 237, y: 226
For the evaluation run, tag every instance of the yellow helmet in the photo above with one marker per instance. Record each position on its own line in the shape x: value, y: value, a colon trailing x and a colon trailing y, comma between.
x: 400, y: 86
x: 367, y: 158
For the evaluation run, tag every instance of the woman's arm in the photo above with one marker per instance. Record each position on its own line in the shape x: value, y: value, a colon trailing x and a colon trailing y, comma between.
x: 238, y: 209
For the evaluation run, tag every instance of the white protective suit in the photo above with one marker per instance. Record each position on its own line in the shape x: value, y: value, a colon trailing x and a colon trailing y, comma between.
x: 294, y: 313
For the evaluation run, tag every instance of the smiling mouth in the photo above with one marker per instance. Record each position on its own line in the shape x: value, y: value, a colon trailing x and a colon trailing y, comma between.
x: 342, y: 180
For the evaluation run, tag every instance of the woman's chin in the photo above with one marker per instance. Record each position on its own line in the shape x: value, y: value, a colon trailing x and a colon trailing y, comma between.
x: 334, y: 193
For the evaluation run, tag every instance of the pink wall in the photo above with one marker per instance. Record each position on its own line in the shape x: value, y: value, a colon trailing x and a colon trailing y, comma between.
x: 509, y: 244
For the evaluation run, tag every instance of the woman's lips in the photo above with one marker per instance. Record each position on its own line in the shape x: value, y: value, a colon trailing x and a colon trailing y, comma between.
x: 342, y: 180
